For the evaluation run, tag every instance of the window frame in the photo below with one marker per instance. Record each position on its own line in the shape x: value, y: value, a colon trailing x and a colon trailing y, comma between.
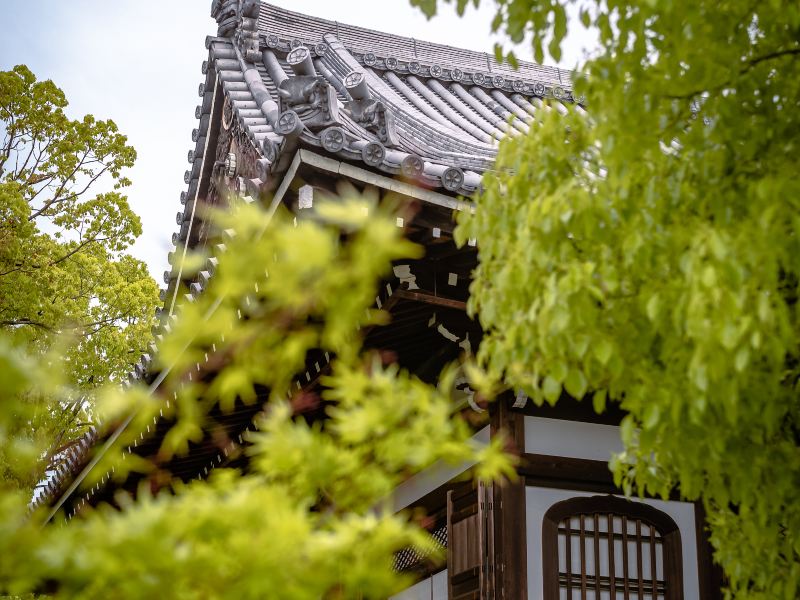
x: 616, y: 506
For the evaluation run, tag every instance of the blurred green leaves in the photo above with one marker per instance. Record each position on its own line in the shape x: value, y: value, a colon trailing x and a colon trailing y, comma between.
x: 312, y: 518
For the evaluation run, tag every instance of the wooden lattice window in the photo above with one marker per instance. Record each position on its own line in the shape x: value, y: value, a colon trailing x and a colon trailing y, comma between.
x: 608, y: 548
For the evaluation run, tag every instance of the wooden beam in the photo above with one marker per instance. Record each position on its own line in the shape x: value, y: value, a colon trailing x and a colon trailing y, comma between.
x: 428, y: 298
x: 564, y: 472
x: 381, y: 181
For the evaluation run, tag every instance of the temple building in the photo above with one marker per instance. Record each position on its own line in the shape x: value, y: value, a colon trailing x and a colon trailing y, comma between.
x: 291, y: 105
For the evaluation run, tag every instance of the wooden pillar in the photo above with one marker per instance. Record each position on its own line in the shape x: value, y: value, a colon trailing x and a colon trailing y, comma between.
x: 487, y: 537
x: 711, y: 578
x: 510, y: 535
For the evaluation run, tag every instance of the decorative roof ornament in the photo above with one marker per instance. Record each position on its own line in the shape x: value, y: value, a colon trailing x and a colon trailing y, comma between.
x: 498, y: 81
x: 453, y: 179
x: 308, y: 96
x: 333, y: 139
x: 412, y: 166
x: 456, y: 74
x: 478, y: 78
x: 299, y: 59
x: 230, y: 165
x: 414, y: 67
x: 288, y: 124
x: 227, y: 114
x: 370, y: 113
x: 391, y: 62
x: 373, y: 154
x: 269, y: 149
x: 225, y: 13
x: 539, y: 89
x: 370, y: 59
x: 239, y: 19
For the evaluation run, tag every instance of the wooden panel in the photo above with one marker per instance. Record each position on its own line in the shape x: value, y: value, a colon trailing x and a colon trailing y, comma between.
x: 470, y: 547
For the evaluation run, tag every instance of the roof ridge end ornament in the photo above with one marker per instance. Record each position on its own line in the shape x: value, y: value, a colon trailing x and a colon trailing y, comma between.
x: 299, y: 59
x: 309, y: 98
x: 369, y: 112
x: 238, y: 19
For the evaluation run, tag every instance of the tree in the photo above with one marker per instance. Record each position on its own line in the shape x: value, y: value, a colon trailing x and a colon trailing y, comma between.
x: 308, y: 520
x: 61, y: 243
x: 64, y: 277
x: 660, y: 245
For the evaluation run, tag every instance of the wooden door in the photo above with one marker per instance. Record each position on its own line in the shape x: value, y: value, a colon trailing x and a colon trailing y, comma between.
x: 470, y: 572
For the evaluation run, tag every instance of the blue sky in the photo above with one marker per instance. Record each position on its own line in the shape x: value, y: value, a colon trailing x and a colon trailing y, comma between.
x: 138, y: 62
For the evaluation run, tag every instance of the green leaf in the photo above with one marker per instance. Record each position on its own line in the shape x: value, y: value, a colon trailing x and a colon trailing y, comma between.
x: 551, y: 389
x: 559, y: 371
x: 599, y: 401
x: 653, y: 307
x: 602, y: 350
x: 576, y: 383
x: 742, y: 359
x: 651, y: 415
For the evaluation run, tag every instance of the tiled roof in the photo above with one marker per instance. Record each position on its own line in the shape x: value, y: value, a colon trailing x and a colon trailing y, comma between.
x: 287, y: 26
x: 446, y: 107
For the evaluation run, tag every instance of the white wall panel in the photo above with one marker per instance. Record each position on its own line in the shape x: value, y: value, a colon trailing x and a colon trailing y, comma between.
x: 573, y: 439
x: 433, y: 477
x: 432, y: 588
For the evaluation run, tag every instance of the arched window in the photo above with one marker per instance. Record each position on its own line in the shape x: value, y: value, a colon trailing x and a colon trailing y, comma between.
x: 609, y: 548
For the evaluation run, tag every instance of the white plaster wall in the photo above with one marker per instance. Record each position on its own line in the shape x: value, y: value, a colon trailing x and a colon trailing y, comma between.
x: 432, y: 588
x: 433, y: 477
x: 539, y: 500
x: 573, y: 439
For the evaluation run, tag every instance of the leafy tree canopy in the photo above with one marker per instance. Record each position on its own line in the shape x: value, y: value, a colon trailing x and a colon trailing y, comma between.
x: 656, y: 246
x: 64, y: 278
x: 61, y: 267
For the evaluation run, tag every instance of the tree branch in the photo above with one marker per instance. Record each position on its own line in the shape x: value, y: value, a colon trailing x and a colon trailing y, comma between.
x: 72, y: 196
x: 750, y: 64
x: 18, y: 322
x: 12, y: 133
x: 75, y: 250
x: 60, y: 189
x: 770, y: 56
x: 34, y: 140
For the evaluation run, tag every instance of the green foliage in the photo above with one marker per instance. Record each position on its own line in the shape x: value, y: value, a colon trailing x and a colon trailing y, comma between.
x: 61, y: 267
x: 312, y: 518
x: 656, y: 246
x: 65, y: 284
